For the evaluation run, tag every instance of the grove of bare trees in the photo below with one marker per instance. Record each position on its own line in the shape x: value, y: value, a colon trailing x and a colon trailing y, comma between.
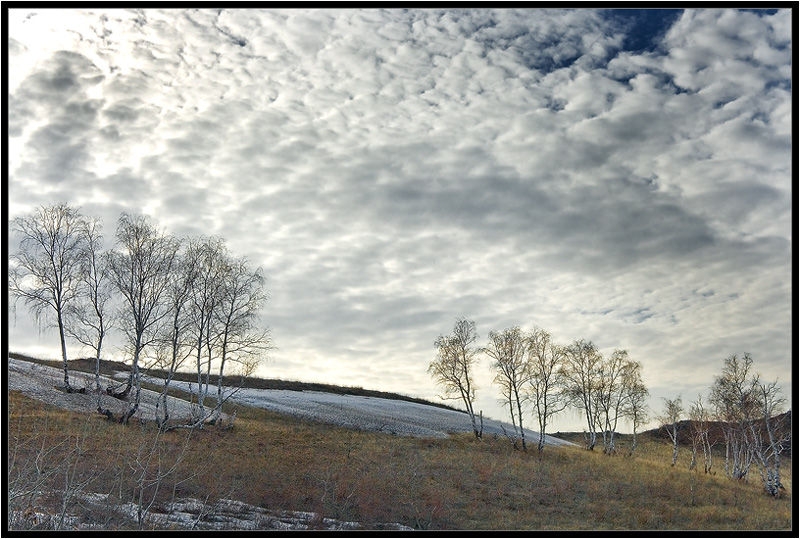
x: 171, y: 299
x: 747, y: 411
x: 534, y: 372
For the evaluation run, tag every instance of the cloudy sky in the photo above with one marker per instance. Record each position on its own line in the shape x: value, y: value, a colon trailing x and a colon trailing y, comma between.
x: 620, y: 177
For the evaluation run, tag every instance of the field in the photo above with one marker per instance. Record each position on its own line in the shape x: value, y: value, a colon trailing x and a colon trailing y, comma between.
x: 79, y: 471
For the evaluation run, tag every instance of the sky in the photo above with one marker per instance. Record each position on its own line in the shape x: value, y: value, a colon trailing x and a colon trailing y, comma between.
x: 623, y: 177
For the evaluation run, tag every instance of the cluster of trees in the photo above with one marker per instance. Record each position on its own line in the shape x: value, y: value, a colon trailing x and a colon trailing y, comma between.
x: 176, y: 301
x: 534, y: 372
x: 745, y: 409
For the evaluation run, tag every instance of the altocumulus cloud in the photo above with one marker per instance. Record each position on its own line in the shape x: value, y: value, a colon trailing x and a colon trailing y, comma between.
x: 619, y: 177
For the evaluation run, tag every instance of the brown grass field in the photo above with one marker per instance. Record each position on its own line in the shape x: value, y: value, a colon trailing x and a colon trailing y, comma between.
x: 283, y: 463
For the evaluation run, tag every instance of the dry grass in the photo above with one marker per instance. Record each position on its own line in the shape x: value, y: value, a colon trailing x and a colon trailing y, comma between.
x: 280, y: 462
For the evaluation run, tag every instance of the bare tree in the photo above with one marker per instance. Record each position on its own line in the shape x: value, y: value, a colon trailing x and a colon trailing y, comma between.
x: 637, y: 410
x: 91, y: 317
x: 746, y: 407
x: 616, y: 377
x: 622, y: 395
x: 546, y: 379
x: 141, y: 269
x: 173, y: 347
x: 240, y: 340
x: 700, y: 417
x: 583, y: 375
x: 770, y: 402
x: 507, y: 351
x: 46, y: 271
x: 452, y: 368
x: 211, y: 253
x: 734, y: 397
x: 673, y: 408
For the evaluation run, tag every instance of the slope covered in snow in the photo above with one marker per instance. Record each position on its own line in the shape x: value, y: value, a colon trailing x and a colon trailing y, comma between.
x: 365, y: 413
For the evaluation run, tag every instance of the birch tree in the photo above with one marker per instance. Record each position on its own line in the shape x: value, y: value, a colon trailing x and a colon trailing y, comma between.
x: 546, y: 379
x: 616, y: 377
x: 637, y: 409
x: 507, y: 352
x: 700, y: 416
x: 673, y: 408
x: 240, y: 339
x: 733, y: 397
x: 747, y: 406
x: 211, y: 254
x: 46, y: 270
x: 174, y: 346
x: 631, y: 402
x: 770, y: 402
x: 452, y: 368
x: 141, y: 269
x: 583, y: 375
x: 90, y: 317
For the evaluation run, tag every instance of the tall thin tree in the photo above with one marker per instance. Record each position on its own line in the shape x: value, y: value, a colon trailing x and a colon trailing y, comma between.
x: 211, y: 254
x: 637, y: 410
x: 734, y: 398
x: 583, y: 373
x: 770, y: 402
x: 140, y: 269
x: 700, y: 433
x: 673, y: 408
x: 46, y: 271
x: 453, y: 366
x: 621, y: 380
x: 547, y: 383
x: 507, y: 351
x: 91, y: 317
x: 173, y: 344
x: 240, y: 339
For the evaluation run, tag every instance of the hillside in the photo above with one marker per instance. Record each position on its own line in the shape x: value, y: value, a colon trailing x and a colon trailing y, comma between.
x: 115, y: 368
x: 354, y: 408
x: 71, y: 470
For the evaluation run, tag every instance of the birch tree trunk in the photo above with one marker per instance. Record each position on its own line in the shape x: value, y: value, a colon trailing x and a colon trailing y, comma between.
x: 674, y: 447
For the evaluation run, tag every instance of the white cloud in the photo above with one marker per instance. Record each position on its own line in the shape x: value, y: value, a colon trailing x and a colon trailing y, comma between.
x: 392, y: 170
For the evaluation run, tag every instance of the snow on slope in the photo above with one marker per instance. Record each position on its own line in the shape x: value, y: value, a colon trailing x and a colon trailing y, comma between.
x: 351, y: 411
x: 40, y: 381
x: 370, y: 413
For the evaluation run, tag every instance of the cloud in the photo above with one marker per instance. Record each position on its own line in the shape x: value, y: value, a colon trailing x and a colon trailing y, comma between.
x: 391, y: 170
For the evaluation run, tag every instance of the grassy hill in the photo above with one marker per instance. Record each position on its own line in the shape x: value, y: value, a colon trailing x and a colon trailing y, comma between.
x: 77, y: 470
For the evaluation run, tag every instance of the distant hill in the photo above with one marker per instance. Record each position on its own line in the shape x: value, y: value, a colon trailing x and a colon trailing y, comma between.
x: 716, y: 435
